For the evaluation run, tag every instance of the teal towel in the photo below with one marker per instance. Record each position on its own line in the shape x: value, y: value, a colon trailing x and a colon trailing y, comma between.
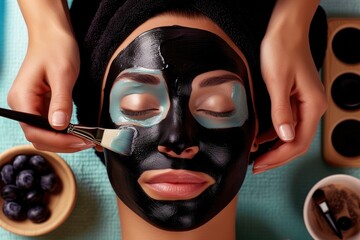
x: 270, y: 204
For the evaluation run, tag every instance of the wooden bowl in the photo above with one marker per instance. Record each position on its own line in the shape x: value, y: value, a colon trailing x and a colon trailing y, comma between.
x: 60, y: 203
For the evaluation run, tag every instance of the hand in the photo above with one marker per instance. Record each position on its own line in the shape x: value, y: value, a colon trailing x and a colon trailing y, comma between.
x: 44, y: 86
x: 297, y: 96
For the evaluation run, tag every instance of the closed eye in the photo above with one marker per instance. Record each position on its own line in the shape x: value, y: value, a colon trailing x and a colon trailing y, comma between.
x: 217, y: 104
x: 216, y: 114
x: 142, y: 113
x: 140, y: 106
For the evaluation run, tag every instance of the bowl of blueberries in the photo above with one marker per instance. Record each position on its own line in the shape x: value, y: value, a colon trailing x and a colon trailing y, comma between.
x: 37, y: 191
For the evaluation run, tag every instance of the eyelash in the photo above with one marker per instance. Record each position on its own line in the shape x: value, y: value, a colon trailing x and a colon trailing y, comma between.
x: 217, y: 114
x: 137, y: 113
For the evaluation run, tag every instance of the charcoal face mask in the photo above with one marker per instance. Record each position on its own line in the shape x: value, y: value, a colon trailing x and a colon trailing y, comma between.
x: 161, y: 65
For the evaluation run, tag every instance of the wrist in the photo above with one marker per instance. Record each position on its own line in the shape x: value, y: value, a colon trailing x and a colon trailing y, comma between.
x: 285, y: 32
x: 293, y: 16
x: 288, y: 23
x: 42, y: 16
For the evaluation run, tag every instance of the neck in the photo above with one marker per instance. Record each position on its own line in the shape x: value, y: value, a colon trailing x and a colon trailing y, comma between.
x: 222, y: 226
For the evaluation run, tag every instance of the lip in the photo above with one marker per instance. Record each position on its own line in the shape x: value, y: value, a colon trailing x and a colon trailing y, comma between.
x: 169, y: 184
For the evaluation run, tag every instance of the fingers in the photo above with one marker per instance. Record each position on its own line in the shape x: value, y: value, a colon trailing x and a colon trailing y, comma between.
x: 33, y: 92
x: 297, y: 97
x: 27, y: 94
x: 282, y: 114
x: 60, y: 108
x: 44, y: 86
x: 284, y: 153
x: 309, y: 114
x: 279, y: 83
x: 54, y: 142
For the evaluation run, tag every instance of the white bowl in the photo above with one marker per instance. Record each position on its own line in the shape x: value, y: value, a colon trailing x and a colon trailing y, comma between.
x: 348, y: 181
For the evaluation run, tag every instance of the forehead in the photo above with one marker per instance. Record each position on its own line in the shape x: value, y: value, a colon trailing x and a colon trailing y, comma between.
x: 181, y: 53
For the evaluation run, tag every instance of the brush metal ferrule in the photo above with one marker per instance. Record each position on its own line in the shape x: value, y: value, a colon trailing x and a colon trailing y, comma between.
x: 93, y: 134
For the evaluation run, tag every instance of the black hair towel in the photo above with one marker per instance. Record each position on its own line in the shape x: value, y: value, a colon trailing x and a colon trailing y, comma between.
x: 102, y: 25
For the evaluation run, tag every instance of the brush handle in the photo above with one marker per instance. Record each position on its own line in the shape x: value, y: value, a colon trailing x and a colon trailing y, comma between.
x: 28, y: 118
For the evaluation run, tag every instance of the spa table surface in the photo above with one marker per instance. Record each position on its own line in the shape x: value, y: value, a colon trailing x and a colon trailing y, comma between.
x: 270, y: 204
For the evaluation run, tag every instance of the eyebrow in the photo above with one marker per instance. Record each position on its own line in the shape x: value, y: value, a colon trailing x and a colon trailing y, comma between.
x: 213, y: 81
x: 141, y: 78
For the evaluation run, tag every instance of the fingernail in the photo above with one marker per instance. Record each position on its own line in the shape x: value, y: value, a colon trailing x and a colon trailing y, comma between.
x: 259, y: 168
x: 59, y: 118
x: 286, y: 132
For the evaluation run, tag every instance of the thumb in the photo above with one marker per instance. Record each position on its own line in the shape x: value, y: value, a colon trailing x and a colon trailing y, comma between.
x: 282, y: 115
x: 60, y: 108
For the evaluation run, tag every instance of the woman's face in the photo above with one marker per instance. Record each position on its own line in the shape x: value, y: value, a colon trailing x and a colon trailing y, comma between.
x: 186, y: 91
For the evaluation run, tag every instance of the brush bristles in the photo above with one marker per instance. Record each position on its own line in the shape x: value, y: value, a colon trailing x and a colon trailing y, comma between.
x: 319, y: 196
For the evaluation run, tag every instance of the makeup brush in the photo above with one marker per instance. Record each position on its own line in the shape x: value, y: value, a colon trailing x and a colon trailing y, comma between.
x: 320, y: 201
x: 117, y: 140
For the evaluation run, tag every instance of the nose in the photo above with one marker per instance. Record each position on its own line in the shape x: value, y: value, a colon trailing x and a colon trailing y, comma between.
x: 178, y: 132
x: 187, y: 153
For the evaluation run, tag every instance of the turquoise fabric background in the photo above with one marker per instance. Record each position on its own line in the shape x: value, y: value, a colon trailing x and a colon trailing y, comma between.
x: 270, y: 204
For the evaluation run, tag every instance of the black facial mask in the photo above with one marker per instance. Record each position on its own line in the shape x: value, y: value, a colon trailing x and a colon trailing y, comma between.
x: 179, y: 54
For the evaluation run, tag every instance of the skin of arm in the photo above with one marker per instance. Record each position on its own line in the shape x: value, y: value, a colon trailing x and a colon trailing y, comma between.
x: 48, y: 73
x: 297, y: 95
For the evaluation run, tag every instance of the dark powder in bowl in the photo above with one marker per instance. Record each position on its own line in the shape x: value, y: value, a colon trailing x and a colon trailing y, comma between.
x: 344, y: 205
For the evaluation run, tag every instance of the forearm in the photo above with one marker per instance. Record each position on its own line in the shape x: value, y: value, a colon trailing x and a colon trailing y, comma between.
x: 291, y: 15
x: 43, y: 15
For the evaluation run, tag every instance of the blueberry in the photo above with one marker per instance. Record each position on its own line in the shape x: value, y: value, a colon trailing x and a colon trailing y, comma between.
x: 13, y: 210
x: 20, y: 162
x: 49, y: 182
x: 10, y: 193
x: 34, y: 196
x: 7, y: 174
x: 38, y: 213
x: 26, y: 179
x: 39, y: 164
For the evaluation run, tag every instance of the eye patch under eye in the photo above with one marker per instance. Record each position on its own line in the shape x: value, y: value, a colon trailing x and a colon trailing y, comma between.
x: 139, y: 102
x: 218, y: 108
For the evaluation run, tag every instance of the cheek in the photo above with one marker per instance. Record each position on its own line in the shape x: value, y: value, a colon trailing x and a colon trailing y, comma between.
x: 227, y: 146
x: 231, y: 139
x: 146, y: 142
